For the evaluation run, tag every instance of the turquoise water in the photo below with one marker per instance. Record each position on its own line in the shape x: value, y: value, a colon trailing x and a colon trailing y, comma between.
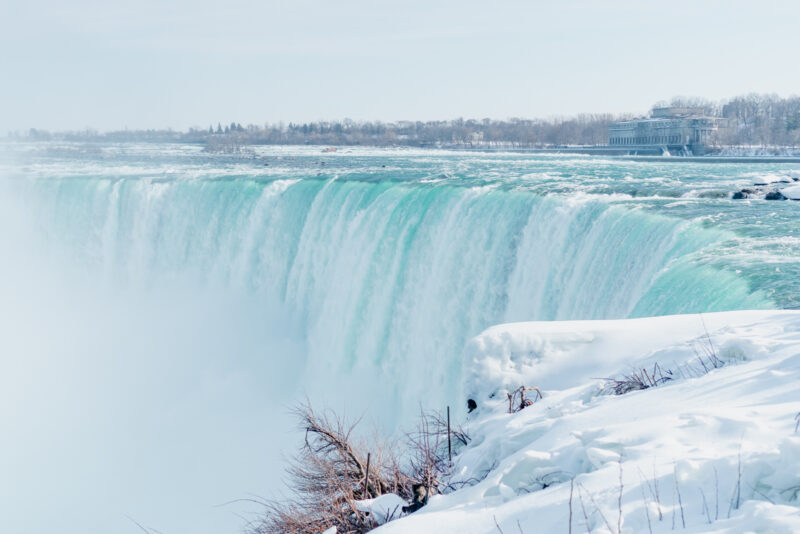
x: 387, y: 258
x: 390, y: 258
x: 380, y: 264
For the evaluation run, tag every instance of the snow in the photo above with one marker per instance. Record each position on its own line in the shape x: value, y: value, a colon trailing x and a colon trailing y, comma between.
x: 719, y: 448
x: 792, y: 192
x: 382, y: 508
x: 755, y: 151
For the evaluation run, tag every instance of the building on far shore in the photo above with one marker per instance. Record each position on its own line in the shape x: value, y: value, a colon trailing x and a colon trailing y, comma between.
x: 672, y: 129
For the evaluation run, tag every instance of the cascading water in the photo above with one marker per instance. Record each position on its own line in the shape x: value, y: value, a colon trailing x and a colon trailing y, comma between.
x: 386, y: 280
x: 358, y: 287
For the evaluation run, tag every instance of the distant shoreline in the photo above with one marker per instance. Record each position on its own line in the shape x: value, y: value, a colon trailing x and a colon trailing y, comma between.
x: 643, y: 153
x: 717, y: 159
x: 669, y: 159
x: 600, y: 151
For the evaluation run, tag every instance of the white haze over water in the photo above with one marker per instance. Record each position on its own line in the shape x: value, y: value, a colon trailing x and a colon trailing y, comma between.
x: 160, y: 405
x: 162, y: 308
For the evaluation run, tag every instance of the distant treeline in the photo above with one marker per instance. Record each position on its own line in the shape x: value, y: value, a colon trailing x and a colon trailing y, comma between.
x: 582, y: 129
x: 756, y: 120
x: 761, y: 120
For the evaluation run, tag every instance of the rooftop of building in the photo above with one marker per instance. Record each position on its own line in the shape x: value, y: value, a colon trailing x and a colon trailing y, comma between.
x: 670, y: 112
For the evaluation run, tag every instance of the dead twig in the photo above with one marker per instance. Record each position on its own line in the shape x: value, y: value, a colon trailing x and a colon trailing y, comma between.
x: 517, y: 400
x: 705, y: 506
x: 619, y: 502
x: 571, y: 489
x: 678, y: 491
x: 637, y: 380
x: 583, y: 509
x: 597, y: 508
x: 646, y: 507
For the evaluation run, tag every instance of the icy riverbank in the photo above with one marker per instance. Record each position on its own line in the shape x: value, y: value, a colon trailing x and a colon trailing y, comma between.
x: 715, y: 451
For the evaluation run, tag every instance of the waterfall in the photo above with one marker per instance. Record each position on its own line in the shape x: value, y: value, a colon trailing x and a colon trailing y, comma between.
x: 155, y: 325
x: 383, y: 280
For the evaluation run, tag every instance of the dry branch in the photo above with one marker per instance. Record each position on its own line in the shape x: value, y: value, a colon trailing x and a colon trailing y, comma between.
x: 333, y: 470
x: 329, y: 475
x: 518, y: 401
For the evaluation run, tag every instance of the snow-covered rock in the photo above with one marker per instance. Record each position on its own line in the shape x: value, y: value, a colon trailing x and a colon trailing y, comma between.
x: 792, y: 192
x: 715, y: 450
x: 382, y: 508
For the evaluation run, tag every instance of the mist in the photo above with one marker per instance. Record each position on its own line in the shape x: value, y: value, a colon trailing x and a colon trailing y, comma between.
x: 149, y: 404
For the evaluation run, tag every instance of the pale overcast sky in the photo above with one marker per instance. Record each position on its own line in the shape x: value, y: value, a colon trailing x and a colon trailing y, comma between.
x: 161, y: 63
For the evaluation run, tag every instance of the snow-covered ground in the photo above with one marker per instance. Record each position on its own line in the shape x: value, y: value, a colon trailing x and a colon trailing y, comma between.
x: 754, y: 151
x: 709, y: 451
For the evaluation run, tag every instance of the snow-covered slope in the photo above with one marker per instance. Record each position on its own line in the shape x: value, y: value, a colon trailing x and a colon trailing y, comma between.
x: 715, y: 451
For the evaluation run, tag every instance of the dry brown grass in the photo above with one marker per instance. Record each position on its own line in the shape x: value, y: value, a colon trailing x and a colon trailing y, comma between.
x: 329, y: 475
x: 638, y: 380
x: 334, y: 469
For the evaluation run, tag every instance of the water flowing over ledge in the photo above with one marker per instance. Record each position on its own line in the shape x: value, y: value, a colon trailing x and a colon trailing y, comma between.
x: 385, y: 279
x: 161, y: 296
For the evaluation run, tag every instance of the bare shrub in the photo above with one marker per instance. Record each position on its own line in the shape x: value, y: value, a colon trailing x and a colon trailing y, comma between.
x: 706, y: 354
x: 334, y: 469
x: 436, y: 423
x: 518, y: 401
x: 329, y: 475
x: 453, y: 485
x: 429, y: 463
x: 637, y: 380
x: 707, y: 359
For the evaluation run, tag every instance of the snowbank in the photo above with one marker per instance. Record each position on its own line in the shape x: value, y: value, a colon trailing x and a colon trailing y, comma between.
x: 756, y: 151
x: 716, y: 451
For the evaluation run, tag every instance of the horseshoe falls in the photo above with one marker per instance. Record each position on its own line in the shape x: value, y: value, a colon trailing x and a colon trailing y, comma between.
x: 163, y: 307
